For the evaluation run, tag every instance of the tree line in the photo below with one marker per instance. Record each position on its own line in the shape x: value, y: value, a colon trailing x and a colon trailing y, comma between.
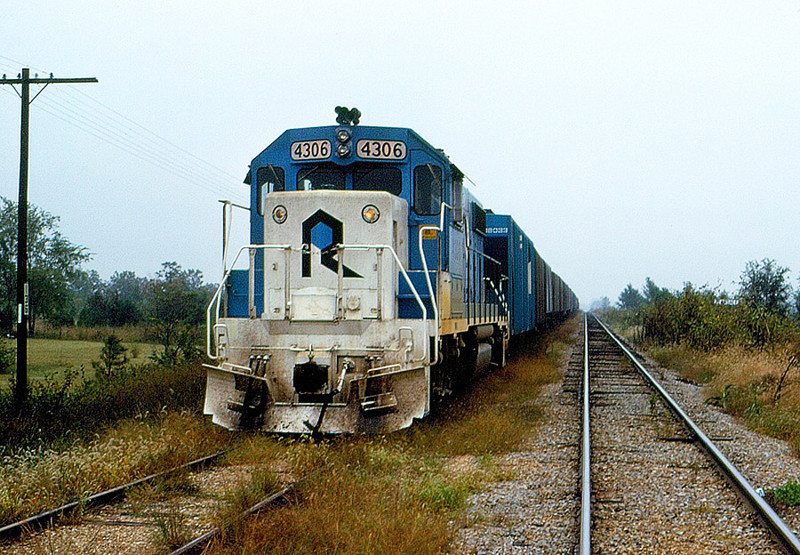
x: 63, y: 293
x: 763, y: 312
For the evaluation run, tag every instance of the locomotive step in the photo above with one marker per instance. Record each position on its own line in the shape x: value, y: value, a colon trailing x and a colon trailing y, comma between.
x: 379, y: 402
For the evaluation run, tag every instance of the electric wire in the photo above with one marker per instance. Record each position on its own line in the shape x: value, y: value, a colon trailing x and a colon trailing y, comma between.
x: 129, y: 143
x: 204, y: 162
x: 136, y: 152
x: 80, y: 110
x: 112, y: 124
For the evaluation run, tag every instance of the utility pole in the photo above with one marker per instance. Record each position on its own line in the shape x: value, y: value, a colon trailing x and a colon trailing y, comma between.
x: 23, y: 303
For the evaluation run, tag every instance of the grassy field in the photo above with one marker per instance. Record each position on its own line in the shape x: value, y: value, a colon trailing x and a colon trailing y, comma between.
x: 47, y: 356
x: 404, y: 492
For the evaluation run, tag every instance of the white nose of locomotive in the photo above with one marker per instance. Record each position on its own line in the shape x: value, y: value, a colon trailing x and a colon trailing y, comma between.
x: 334, y: 237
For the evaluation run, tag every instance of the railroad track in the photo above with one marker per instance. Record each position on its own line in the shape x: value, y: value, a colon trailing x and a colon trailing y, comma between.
x: 51, y: 517
x: 197, y: 544
x: 107, y: 522
x: 650, y: 477
x: 18, y: 538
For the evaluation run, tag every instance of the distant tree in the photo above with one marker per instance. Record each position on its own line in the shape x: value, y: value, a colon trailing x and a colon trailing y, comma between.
x: 599, y: 305
x: 81, y: 289
x: 175, y: 304
x: 118, y: 302
x: 54, y: 263
x: 653, y: 293
x: 797, y: 303
x: 630, y: 298
x: 764, y: 286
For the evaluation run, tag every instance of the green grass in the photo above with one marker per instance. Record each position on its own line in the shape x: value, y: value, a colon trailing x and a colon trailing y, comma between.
x: 47, y: 356
x: 789, y: 493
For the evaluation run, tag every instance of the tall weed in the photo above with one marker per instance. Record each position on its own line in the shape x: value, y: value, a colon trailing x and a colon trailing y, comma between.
x: 67, y: 404
x: 39, y: 478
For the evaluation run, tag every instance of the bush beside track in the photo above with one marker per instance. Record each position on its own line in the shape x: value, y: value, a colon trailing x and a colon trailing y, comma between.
x: 67, y: 405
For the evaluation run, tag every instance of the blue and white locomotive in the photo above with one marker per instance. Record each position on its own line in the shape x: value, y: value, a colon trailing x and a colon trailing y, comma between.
x: 376, y: 284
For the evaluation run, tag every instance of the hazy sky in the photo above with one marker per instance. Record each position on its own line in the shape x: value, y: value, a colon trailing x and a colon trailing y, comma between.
x: 629, y: 139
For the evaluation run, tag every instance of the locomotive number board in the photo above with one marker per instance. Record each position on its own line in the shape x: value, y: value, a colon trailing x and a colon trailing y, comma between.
x: 311, y: 150
x: 378, y: 149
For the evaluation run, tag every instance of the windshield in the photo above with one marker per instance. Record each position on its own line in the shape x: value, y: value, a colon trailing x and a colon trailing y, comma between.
x: 321, y: 176
x: 359, y: 177
x: 378, y: 178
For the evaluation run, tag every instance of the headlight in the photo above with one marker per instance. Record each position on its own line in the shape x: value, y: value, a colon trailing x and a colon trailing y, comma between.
x: 279, y: 214
x: 343, y: 151
x: 370, y: 213
x: 343, y: 135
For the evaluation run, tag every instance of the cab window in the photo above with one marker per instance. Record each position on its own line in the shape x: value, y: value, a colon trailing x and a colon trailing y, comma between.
x: 268, y: 180
x: 427, y: 189
x: 321, y: 176
x: 377, y: 178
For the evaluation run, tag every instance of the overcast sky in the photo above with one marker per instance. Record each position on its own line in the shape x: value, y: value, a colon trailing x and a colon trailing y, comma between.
x: 629, y: 139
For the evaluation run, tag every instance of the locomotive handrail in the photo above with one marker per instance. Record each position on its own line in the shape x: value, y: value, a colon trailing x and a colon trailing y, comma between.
x: 498, y: 292
x: 408, y: 282
x: 484, y: 255
x: 434, y: 304
x: 215, y: 300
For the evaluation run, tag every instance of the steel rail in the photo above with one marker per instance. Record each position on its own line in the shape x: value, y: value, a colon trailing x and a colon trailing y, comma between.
x: 48, y: 518
x: 777, y: 527
x: 197, y: 544
x: 585, y: 546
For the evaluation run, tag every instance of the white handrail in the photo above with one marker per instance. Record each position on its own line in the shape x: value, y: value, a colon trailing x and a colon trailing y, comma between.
x: 434, y: 304
x: 217, y: 295
x: 215, y: 299
x: 408, y: 282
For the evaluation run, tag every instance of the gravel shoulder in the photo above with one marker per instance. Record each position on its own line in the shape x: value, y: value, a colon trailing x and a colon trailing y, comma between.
x: 536, y: 511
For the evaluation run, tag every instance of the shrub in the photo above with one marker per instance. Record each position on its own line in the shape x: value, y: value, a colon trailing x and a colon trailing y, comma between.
x: 694, y: 317
x: 68, y: 403
x: 112, y: 357
x: 789, y: 493
x: 8, y: 357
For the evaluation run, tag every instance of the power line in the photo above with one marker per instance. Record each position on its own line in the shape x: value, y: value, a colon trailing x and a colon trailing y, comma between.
x: 137, y: 151
x: 80, y: 110
x: 205, y: 162
x: 161, y: 147
x: 140, y: 150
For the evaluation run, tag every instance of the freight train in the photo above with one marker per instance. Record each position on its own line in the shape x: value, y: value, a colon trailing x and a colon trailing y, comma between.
x: 375, y: 285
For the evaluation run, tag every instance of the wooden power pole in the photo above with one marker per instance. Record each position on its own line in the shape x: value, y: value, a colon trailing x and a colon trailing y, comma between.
x: 23, y: 307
